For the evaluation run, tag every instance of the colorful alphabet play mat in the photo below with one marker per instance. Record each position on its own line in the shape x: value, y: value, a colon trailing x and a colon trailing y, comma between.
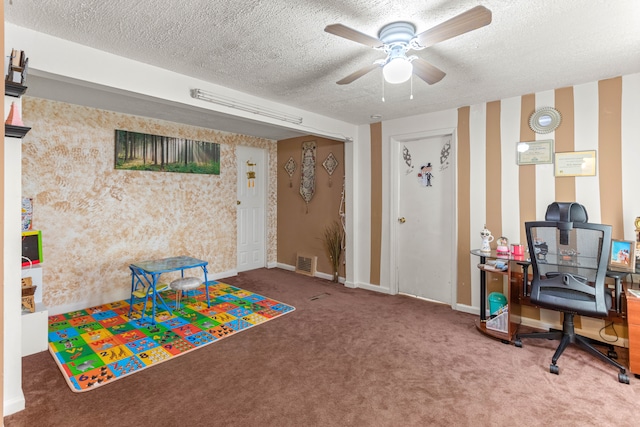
x: 99, y: 345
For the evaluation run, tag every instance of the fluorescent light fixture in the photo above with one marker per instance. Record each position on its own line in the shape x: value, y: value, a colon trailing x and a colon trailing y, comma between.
x: 243, y: 106
x: 398, y: 70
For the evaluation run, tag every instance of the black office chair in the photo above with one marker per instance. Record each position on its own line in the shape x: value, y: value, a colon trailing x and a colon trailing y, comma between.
x: 569, y: 257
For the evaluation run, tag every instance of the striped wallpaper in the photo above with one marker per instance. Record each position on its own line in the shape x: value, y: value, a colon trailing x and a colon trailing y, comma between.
x: 602, y: 116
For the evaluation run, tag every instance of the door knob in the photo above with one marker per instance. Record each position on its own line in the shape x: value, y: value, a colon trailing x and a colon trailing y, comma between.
x: 401, y: 220
x: 238, y: 202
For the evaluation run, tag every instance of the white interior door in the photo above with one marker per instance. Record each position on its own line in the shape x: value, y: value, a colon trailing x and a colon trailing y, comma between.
x: 252, y: 185
x: 425, y: 226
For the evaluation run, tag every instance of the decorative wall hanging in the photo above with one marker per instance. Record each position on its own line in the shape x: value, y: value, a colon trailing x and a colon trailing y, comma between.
x: 144, y: 152
x: 330, y: 164
x: 251, y: 174
x: 545, y: 120
x: 425, y: 175
x: 27, y: 213
x: 290, y: 167
x: 407, y: 159
x: 308, y: 172
x: 444, y: 155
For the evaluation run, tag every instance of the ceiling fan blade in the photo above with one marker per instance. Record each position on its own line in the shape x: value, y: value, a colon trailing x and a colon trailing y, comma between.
x: 467, y: 21
x: 427, y: 72
x: 354, y: 76
x: 353, y: 35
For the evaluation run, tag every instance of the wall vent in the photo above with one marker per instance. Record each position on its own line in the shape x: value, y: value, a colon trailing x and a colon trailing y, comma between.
x: 306, y: 264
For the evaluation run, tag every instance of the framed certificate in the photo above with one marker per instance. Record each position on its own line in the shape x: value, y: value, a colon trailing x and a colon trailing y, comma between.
x: 535, y: 152
x: 576, y: 163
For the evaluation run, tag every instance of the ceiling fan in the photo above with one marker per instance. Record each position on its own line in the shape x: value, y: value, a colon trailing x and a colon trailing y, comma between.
x: 398, y: 38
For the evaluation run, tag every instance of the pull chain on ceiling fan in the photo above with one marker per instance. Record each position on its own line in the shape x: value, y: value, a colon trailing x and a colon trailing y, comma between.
x: 398, y: 38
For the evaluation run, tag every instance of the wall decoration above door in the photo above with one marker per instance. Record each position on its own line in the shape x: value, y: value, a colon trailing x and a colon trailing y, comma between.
x: 308, y: 172
x: 290, y: 167
x: 144, y: 152
x: 330, y: 164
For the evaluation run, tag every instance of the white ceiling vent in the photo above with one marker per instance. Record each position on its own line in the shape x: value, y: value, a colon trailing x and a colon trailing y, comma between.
x: 306, y: 264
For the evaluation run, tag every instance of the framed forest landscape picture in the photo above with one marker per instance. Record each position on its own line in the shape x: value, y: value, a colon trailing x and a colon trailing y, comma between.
x: 145, y: 152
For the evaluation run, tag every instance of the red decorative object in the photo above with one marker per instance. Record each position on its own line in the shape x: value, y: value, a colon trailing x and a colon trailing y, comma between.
x: 14, y: 116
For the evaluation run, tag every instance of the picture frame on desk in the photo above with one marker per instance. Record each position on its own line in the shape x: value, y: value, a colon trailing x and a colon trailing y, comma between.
x: 623, y: 256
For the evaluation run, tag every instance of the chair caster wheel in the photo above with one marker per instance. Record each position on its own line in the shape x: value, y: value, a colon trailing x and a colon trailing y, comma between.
x: 623, y: 378
x: 554, y: 369
x: 517, y: 342
x: 612, y: 354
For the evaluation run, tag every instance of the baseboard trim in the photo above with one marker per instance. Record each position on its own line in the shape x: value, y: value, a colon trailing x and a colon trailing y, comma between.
x: 121, y: 294
x: 466, y: 308
x: 318, y: 273
x: 375, y: 288
x: 218, y: 276
x: 286, y: 266
x: 14, y: 405
x: 118, y: 295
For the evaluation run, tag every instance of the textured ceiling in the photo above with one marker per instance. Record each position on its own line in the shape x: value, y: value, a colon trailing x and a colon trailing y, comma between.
x: 278, y: 50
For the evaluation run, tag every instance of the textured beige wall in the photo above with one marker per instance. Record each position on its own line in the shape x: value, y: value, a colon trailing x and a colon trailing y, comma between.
x: 96, y: 220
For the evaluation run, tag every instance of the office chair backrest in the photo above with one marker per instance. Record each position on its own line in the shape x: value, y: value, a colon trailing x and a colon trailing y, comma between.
x: 566, y: 213
x: 569, y: 261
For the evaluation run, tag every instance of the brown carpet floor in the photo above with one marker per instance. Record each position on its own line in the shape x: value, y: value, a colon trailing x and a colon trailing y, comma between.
x: 349, y: 357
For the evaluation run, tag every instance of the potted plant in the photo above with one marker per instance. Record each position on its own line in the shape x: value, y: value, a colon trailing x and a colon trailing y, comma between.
x: 333, y: 244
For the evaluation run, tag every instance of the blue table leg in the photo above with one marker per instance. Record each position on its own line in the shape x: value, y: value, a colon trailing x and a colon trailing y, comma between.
x: 206, y: 285
x: 162, y: 301
x: 136, y: 279
x: 153, y: 300
x: 132, y: 290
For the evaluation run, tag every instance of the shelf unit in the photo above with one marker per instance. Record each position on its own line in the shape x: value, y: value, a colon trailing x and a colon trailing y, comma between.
x: 14, y: 333
x: 33, y: 324
x: 481, y: 323
x: 14, y: 89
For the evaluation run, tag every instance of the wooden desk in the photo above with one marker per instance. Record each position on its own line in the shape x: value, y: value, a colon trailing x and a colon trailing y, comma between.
x: 519, y: 292
x: 633, y: 324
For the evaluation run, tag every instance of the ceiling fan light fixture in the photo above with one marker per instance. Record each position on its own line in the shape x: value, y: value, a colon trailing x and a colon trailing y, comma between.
x: 397, y: 70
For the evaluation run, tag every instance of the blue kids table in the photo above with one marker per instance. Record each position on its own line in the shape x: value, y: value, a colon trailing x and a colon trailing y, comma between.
x: 145, y: 274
